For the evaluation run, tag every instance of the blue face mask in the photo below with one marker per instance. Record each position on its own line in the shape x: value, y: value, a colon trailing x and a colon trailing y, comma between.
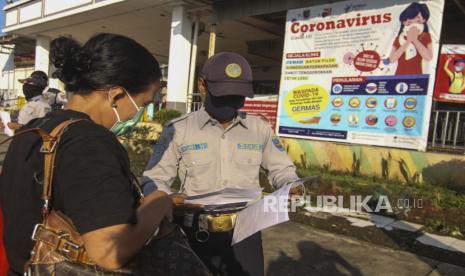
x: 459, y: 68
x: 124, y: 127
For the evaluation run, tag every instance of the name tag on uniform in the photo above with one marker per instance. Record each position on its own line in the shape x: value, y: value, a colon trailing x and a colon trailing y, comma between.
x: 194, y: 147
x: 249, y: 146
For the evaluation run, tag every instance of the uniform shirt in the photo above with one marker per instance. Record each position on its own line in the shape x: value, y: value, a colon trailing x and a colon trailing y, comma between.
x: 55, y: 98
x: 36, y: 107
x: 208, y: 157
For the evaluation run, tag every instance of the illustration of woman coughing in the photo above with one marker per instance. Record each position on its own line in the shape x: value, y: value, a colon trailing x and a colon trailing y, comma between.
x: 413, y: 44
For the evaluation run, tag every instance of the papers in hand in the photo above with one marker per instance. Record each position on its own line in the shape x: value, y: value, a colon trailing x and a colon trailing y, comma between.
x: 5, y: 117
x: 228, y: 197
x: 261, y: 215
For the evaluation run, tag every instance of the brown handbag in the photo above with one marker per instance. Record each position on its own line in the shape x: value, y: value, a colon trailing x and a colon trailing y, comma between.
x: 59, y: 248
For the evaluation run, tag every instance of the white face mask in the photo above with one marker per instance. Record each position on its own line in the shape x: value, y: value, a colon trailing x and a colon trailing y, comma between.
x: 418, y: 26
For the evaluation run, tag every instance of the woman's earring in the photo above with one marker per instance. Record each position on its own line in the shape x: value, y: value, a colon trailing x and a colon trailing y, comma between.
x: 114, y: 105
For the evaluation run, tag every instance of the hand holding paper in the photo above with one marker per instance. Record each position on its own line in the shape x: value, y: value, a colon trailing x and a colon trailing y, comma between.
x: 5, y: 117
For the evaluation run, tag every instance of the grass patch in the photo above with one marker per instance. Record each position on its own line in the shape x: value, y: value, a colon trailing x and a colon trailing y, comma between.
x: 440, y: 209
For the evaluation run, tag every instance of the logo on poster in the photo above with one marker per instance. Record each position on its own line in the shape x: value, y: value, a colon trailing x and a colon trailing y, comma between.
x: 390, y: 121
x: 390, y: 103
x: 401, y: 88
x: 371, y: 88
x: 410, y: 103
x: 337, y: 88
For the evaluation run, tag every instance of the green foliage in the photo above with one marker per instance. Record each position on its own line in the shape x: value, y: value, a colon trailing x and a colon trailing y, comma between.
x: 139, y: 148
x: 442, y: 210
x: 165, y: 115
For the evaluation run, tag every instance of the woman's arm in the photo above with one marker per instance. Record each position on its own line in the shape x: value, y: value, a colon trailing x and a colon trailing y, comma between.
x: 426, y: 52
x: 112, y: 247
x: 397, y: 53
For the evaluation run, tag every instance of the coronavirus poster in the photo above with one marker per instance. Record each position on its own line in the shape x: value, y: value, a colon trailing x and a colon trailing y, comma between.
x: 360, y: 72
x: 450, y: 81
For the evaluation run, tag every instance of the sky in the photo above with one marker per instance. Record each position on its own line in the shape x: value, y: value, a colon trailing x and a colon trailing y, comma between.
x: 2, y: 19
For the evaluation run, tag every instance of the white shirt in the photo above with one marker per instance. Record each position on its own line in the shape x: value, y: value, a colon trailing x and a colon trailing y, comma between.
x: 34, y: 108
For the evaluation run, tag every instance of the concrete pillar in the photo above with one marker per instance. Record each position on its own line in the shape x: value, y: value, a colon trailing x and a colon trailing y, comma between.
x: 179, y: 59
x: 42, y: 61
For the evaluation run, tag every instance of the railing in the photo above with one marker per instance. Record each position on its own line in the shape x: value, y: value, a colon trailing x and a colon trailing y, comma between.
x: 194, y: 102
x: 447, y: 131
x: 8, y: 98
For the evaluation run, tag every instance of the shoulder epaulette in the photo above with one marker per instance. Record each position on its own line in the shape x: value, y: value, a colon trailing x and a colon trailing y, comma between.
x: 183, y: 117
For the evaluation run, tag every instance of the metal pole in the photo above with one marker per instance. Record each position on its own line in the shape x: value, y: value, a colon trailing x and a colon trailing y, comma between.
x: 444, y: 131
x: 457, y: 120
x: 193, y: 65
x: 211, y: 46
x: 435, y: 127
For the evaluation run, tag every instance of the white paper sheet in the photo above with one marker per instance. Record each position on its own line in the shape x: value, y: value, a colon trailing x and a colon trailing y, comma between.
x: 258, y: 216
x: 226, y: 196
x: 5, y: 117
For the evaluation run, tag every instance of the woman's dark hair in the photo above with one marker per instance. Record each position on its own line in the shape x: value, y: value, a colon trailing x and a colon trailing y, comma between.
x: 106, y: 60
x: 412, y: 11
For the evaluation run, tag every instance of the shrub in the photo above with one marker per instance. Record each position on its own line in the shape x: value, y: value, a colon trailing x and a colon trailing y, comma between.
x: 165, y: 115
x: 447, y: 174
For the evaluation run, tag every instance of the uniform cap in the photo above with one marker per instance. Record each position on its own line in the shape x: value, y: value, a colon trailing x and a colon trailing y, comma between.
x: 228, y: 74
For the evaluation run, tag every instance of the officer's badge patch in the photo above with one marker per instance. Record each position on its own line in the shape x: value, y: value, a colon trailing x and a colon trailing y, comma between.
x: 277, y: 143
x: 233, y: 70
x: 194, y: 147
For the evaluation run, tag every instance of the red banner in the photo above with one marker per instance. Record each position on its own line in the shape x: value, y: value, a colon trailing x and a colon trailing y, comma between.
x: 267, y: 108
x: 450, y: 79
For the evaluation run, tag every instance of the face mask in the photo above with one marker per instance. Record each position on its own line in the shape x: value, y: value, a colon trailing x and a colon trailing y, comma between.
x: 459, y: 68
x: 418, y: 26
x: 30, y: 91
x: 225, y: 108
x: 122, y: 128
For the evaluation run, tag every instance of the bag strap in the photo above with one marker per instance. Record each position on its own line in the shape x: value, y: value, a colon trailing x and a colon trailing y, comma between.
x: 49, y: 149
x: 49, y: 145
x: 42, y: 133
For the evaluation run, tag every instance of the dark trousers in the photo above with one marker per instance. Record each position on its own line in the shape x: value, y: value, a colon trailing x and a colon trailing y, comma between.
x: 244, y: 258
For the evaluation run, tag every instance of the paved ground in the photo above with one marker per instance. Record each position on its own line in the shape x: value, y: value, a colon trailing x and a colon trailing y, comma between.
x: 296, y: 249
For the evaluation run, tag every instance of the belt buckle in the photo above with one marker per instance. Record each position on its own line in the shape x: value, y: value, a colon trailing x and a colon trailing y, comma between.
x: 221, y: 223
x: 37, y: 227
x: 65, y: 246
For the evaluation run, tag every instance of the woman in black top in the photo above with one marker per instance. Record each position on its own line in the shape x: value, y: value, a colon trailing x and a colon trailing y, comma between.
x: 113, y: 78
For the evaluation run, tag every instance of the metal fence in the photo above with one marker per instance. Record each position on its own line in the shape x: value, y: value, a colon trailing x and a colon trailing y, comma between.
x: 194, y: 102
x: 447, y: 131
x: 8, y: 98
